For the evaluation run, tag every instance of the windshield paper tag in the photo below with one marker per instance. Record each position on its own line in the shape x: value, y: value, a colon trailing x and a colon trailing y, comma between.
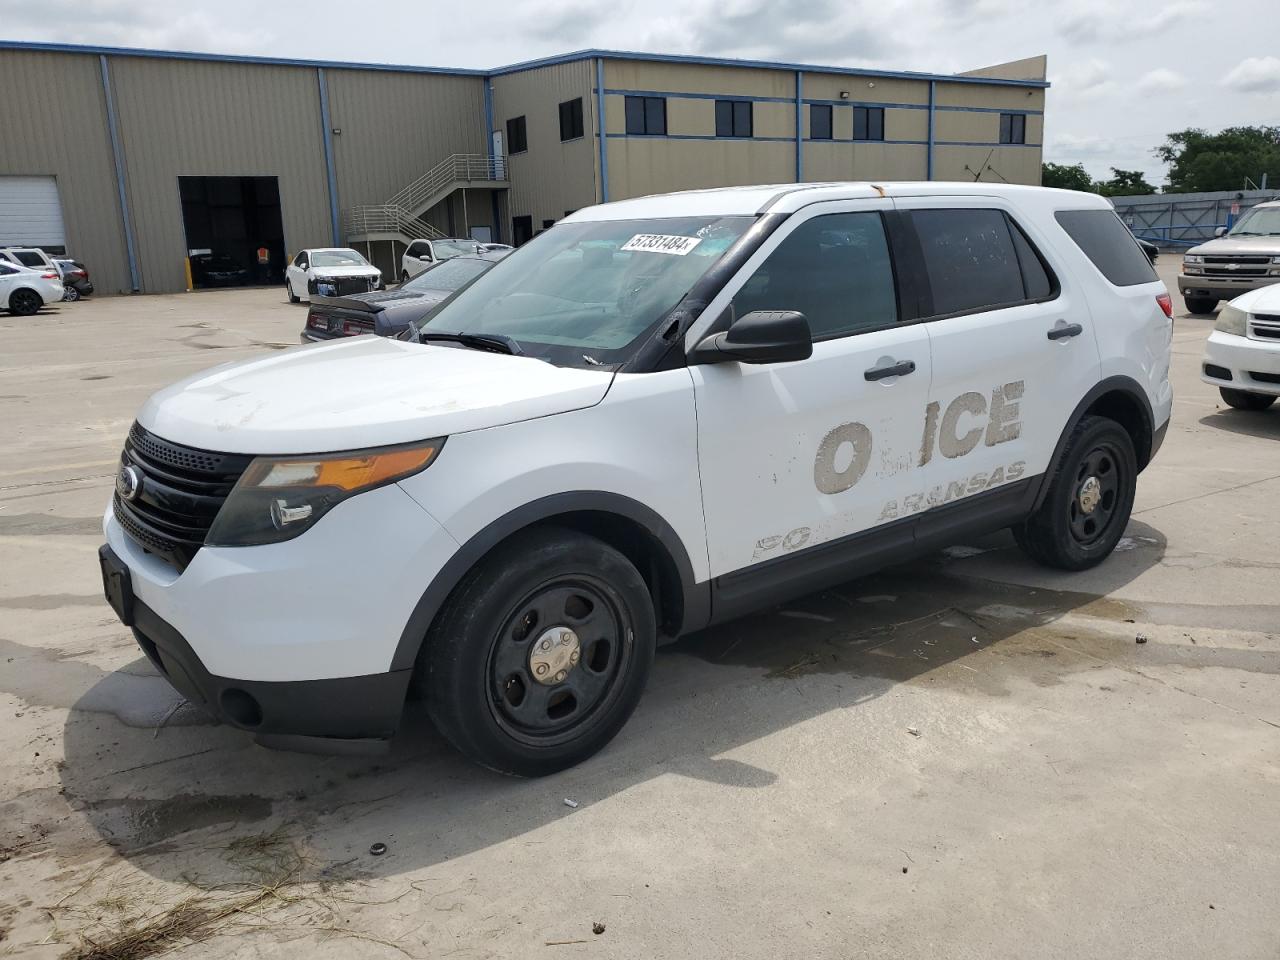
x: 661, y: 243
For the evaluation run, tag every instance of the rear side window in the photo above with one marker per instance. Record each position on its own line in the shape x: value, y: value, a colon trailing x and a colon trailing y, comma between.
x: 30, y: 258
x: 834, y: 269
x: 970, y: 260
x: 1109, y: 244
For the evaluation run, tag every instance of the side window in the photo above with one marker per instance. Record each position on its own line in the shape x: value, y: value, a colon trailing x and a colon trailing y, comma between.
x: 1109, y: 244
x: 646, y: 116
x: 733, y: 118
x: 868, y: 123
x: 1038, y: 283
x: 6, y: 269
x: 300, y: 261
x: 517, y: 135
x: 820, y: 121
x: 1013, y: 128
x: 834, y: 269
x: 571, y: 119
x: 969, y: 258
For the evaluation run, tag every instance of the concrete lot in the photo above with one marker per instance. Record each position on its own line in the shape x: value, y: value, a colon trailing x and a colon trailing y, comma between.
x: 963, y: 757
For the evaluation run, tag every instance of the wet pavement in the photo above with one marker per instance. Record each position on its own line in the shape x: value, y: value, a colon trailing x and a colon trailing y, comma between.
x: 965, y: 756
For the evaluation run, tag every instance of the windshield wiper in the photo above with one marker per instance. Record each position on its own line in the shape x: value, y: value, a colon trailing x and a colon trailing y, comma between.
x: 493, y: 342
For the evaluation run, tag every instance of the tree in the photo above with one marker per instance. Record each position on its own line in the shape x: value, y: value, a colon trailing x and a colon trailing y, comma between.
x: 1124, y: 183
x: 1065, y: 176
x: 1200, y: 161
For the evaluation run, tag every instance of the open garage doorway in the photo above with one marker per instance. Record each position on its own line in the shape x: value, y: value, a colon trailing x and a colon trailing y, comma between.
x: 234, y: 234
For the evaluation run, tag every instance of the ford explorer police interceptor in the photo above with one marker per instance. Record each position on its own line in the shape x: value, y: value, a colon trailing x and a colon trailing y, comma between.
x: 660, y: 414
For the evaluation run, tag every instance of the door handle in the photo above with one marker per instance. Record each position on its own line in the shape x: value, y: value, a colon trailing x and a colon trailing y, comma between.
x: 1063, y: 332
x: 890, y: 370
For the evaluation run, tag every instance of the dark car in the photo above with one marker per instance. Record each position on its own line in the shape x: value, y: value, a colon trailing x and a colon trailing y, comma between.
x: 75, y: 277
x: 1149, y: 248
x: 389, y: 312
x: 218, y: 270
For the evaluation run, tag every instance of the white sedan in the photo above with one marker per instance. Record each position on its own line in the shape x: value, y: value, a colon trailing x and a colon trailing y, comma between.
x: 24, y: 291
x: 1242, y: 356
x: 330, y: 272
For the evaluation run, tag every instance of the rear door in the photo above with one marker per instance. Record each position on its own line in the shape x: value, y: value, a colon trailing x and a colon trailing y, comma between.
x: 1014, y: 351
x: 801, y: 458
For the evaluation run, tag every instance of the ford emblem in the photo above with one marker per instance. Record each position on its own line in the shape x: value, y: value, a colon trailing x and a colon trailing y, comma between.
x: 128, y: 483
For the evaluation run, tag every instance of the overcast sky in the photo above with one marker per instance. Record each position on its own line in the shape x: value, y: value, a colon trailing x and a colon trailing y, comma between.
x: 1123, y: 73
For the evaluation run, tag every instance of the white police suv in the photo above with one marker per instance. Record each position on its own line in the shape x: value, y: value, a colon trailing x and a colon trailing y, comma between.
x: 660, y: 414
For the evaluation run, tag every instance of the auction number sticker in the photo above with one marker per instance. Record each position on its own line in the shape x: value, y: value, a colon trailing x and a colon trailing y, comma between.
x: 661, y: 243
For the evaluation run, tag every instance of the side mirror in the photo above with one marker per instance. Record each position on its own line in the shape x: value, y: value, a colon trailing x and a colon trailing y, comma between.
x: 1220, y: 231
x: 762, y: 336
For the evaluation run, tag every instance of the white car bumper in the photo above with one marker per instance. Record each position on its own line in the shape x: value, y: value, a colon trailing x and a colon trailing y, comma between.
x: 1242, y: 363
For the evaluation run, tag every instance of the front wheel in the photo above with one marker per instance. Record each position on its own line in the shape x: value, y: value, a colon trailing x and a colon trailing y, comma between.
x: 1243, y: 400
x: 293, y: 298
x: 1200, y: 304
x: 70, y: 294
x: 25, y: 303
x: 1089, y: 500
x: 541, y: 654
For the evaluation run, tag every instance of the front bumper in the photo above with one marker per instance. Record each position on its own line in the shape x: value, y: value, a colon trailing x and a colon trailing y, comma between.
x: 1241, y: 363
x: 1221, y: 288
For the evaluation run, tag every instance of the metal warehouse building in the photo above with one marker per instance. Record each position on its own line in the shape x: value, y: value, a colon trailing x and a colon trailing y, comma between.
x: 132, y: 159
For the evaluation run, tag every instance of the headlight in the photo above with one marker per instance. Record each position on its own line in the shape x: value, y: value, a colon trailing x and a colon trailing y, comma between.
x: 278, y: 498
x: 1231, y: 320
x: 1193, y: 258
x: 1275, y: 259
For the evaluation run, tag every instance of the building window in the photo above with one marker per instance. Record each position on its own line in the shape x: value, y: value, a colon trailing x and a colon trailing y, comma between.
x: 647, y: 116
x: 521, y: 229
x: 820, y: 121
x: 517, y: 135
x: 1013, y: 128
x: 733, y: 118
x: 571, y: 120
x: 868, y: 123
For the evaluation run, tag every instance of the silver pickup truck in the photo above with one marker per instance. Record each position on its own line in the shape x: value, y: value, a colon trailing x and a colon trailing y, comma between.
x: 1241, y: 259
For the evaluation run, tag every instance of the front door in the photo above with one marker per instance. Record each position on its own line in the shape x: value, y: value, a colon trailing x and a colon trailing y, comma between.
x: 798, y: 456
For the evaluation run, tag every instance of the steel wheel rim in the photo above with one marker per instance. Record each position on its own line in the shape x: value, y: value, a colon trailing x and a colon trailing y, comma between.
x: 1096, y: 493
x: 547, y: 712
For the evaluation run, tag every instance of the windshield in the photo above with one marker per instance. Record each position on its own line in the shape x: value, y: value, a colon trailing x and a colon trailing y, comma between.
x: 1258, y: 222
x: 454, y: 248
x: 589, y: 292
x: 448, y: 274
x: 337, y: 258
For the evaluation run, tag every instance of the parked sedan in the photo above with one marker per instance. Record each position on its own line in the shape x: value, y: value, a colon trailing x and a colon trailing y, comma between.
x: 330, y: 272
x: 218, y: 270
x: 24, y: 291
x: 75, y: 278
x: 423, y: 254
x: 389, y: 312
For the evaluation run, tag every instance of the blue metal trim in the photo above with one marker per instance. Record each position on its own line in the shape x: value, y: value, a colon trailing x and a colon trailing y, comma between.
x: 330, y: 171
x: 933, y: 96
x: 908, y: 143
x: 870, y: 103
x: 799, y: 127
x: 488, y: 119
x: 601, y: 133
x: 982, y: 143
x: 681, y: 95
x: 1030, y: 113
x: 573, y: 57
x: 135, y: 283
x: 698, y: 136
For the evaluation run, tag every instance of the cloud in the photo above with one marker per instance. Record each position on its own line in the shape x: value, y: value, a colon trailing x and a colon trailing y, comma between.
x: 127, y: 23
x: 1076, y: 146
x: 1085, y: 80
x: 1160, y: 80
x: 795, y: 30
x: 1093, y: 22
x: 1255, y: 75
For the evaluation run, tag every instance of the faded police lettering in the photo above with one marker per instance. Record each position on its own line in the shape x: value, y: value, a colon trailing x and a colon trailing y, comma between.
x: 661, y: 243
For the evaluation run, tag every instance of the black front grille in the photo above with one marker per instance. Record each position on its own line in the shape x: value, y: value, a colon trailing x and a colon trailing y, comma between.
x: 181, y: 491
x: 343, y: 286
x: 1265, y: 377
x: 1236, y: 266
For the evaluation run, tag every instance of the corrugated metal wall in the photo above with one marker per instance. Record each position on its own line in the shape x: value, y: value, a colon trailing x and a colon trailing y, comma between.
x: 53, y: 122
x: 550, y: 177
x: 197, y: 118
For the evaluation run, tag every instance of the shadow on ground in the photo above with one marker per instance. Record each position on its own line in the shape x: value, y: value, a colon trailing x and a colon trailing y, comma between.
x: 146, y: 777
x: 1247, y: 423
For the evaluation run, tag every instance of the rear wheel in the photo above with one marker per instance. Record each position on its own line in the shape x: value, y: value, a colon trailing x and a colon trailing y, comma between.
x: 24, y: 303
x: 1243, y: 400
x: 541, y: 654
x: 1200, y: 304
x: 71, y: 294
x: 1089, y: 500
x: 288, y: 285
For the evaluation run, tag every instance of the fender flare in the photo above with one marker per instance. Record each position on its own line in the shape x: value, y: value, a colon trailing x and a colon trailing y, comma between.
x: 696, y: 596
x: 1118, y: 383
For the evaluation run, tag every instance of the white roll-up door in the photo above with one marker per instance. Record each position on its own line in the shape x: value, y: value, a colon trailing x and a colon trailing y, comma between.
x: 30, y: 213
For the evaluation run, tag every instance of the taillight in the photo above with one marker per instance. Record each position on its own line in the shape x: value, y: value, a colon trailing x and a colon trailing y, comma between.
x: 49, y: 276
x: 1166, y: 304
x: 317, y: 321
x: 354, y: 328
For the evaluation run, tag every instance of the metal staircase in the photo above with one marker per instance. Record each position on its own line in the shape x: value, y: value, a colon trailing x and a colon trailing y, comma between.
x: 401, y: 217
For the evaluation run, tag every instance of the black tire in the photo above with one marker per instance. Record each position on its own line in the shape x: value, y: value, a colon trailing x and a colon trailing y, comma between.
x: 25, y: 303
x: 1200, y: 304
x: 71, y: 295
x: 476, y: 670
x: 1079, y: 523
x: 1243, y: 400
x: 288, y: 285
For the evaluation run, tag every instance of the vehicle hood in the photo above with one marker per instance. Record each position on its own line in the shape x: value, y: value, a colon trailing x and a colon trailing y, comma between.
x: 374, y: 300
x: 1263, y: 300
x: 1239, y: 245
x: 362, y: 392
x: 351, y: 271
